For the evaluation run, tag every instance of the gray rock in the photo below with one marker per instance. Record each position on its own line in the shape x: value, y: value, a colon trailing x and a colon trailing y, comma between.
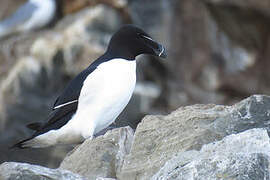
x: 102, y: 156
x: 238, y: 156
x: 252, y: 112
x: 23, y: 171
x: 158, y: 138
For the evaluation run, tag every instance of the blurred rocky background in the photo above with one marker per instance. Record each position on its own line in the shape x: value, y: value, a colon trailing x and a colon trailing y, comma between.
x: 218, y: 53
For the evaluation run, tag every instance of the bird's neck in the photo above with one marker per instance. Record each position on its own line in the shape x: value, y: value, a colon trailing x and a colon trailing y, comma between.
x: 120, y: 52
x: 108, y: 56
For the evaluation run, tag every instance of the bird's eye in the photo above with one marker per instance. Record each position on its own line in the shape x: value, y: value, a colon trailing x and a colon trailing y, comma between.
x: 140, y: 35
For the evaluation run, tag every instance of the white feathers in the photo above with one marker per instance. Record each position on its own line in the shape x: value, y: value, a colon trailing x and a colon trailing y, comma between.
x: 104, y: 95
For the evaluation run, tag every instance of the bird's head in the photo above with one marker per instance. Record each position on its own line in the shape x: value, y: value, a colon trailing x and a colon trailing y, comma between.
x: 130, y: 41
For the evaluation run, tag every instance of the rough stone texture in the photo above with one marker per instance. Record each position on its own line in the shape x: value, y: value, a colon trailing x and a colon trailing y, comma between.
x: 23, y: 171
x: 249, y: 113
x: 239, y: 156
x: 158, y: 138
x: 100, y: 157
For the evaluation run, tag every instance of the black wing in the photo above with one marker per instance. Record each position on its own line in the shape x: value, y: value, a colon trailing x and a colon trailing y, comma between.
x: 72, y: 91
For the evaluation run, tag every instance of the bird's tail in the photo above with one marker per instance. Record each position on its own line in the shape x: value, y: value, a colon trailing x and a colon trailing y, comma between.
x: 23, y: 144
x: 29, y: 142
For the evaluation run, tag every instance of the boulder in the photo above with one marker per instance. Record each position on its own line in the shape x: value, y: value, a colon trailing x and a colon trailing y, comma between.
x: 101, y: 157
x: 239, y: 156
x: 158, y: 138
x: 13, y: 170
x: 252, y: 112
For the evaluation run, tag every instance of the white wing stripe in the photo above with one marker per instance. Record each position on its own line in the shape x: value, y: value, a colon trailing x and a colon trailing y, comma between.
x: 61, y: 105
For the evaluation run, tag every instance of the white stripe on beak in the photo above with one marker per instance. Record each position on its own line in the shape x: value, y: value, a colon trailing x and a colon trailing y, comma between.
x: 161, y: 51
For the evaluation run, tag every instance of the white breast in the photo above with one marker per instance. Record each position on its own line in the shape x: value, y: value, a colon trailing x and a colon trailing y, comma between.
x: 104, y: 95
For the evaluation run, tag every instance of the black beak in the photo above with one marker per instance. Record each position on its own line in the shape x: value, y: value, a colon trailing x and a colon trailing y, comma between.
x: 157, y: 48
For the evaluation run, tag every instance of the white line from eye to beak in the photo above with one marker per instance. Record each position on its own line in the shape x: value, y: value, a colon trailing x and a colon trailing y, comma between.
x: 61, y: 105
x: 148, y: 38
x: 161, y: 51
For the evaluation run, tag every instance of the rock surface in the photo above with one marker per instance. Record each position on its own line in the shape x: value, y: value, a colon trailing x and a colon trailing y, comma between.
x: 21, y: 171
x: 158, y: 138
x: 102, y: 156
x: 239, y: 156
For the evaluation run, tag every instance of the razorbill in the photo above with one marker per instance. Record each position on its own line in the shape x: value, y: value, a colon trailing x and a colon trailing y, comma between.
x: 96, y: 96
x: 33, y: 14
